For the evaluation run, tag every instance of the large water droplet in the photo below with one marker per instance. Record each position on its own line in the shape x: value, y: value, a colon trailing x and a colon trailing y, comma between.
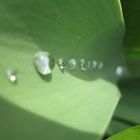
x: 44, y: 63
x: 11, y: 74
x: 119, y: 70
x: 61, y: 63
x: 83, y: 65
x: 72, y: 64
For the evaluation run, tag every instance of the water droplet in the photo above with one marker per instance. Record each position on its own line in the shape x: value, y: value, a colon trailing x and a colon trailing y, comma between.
x: 94, y: 64
x: 89, y: 64
x: 83, y: 65
x: 11, y: 74
x: 72, y: 64
x: 100, y: 65
x: 61, y: 63
x: 119, y: 70
x: 44, y: 63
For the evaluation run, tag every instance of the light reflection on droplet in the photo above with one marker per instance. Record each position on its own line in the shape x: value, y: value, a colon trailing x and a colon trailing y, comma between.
x: 61, y: 63
x: 100, y: 65
x: 119, y: 70
x: 89, y: 64
x: 94, y: 64
x: 11, y: 74
x: 44, y: 63
x: 72, y: 64
x: 83, y: 65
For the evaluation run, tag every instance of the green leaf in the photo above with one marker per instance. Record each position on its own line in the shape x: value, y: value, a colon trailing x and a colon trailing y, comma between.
x: 131, y: 12
x: 128, y: 107
x: 71, y: 105
x: 129, y: 134
x: 127, y: 112
x: 117, y: 125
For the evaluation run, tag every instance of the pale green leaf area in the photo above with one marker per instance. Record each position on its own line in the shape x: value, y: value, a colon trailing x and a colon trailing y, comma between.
x: 132, y: 133
x: 81, y: 105
x: 71, y: 105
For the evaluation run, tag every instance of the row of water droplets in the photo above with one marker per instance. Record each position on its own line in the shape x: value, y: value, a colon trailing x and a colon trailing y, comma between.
x: 83, y: 64
x: 86, y: 65
x: 44, y: 64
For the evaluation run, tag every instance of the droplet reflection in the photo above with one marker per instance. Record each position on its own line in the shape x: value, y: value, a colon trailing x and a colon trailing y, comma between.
x: 44, y: 63
x: 61, y: 64
x: 83, y: 65
x: 72, y: 64
x: 119, y: 70
x: 100, y: 65
x: 94, y: 64
x: 11, y: 74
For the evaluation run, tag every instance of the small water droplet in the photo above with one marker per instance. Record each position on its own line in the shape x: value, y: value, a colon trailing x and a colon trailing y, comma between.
x: 83, y: 65
x: 61, y: 63
x: 100, y: 65
x: 11, y: 74
x: 119, y: 70
x: 89, y: 64
x: 44, y: 63
x: 72, y: 64
x: 94, y: 64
